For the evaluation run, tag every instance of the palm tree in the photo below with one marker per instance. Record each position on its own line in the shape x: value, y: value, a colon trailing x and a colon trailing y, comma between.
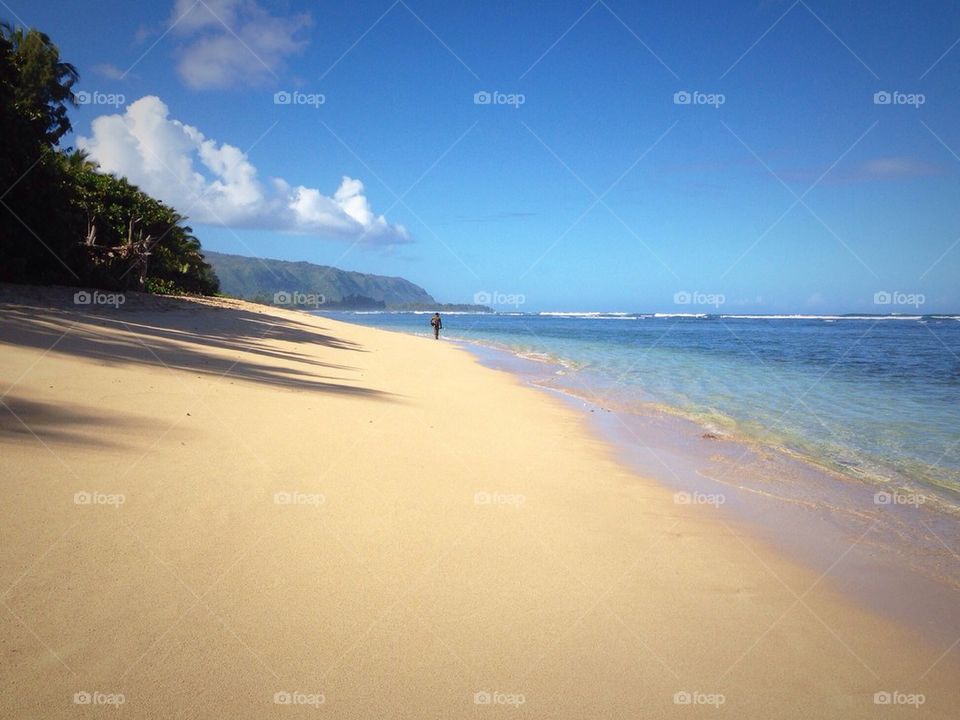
x: 76, y: 161
x: 44, y: 84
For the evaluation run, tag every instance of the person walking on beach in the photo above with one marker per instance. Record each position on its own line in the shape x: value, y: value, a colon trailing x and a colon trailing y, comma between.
x: 437, y: 325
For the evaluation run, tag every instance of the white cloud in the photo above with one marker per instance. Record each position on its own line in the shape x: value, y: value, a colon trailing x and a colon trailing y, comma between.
x: 109, y: 71
x: 215, y: 183
x: 232, y: 42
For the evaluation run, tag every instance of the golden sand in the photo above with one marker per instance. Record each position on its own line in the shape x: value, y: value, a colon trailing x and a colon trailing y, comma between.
x: 213, y: 509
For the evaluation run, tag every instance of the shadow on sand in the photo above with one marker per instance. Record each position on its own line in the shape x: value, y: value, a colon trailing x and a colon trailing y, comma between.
x: 181, y: 334
x: 48, y: 422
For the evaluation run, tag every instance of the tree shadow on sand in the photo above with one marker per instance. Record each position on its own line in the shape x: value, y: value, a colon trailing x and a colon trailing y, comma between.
x: 48, y: 422
x: 184, y: 338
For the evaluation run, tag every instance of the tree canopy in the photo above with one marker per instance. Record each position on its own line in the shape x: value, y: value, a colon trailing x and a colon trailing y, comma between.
x: 63, y: 221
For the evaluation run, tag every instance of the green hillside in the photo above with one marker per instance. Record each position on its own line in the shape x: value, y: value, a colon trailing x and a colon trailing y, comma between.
x: 261, y: 279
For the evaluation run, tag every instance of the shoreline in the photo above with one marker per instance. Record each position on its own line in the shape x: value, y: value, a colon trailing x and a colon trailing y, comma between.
x: 903, y: 548
x: 808, y: 526
x: 848, y: 462
x: 904, y: 569
x: 907, y: 477
x: 442, y: 531
x: 942, y: 497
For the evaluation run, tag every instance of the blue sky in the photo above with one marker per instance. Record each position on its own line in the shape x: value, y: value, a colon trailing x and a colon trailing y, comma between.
x: 781, y: 187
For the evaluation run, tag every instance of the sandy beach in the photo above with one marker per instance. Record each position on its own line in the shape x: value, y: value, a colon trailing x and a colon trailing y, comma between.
x: 218, y: 509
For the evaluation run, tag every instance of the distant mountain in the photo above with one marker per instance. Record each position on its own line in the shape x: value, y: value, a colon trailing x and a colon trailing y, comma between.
x: 302, y: 283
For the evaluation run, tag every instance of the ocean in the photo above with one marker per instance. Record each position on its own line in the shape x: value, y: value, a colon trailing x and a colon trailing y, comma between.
x: 874, y: 399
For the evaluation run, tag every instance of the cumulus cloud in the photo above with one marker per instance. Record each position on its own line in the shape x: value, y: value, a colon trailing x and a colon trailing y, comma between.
x: 215, y: 183
x: 232, y: 42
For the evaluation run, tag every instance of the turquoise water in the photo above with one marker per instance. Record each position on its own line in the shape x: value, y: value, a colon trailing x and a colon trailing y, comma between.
x: 874, y: 398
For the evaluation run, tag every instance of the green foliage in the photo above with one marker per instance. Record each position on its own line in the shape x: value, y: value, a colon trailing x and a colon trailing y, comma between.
x: 159, y: 286
x: 122, y: 220
x: 258, y: 278
x: 43, y: 83
x: 64, y: 222
x: 442, y: 307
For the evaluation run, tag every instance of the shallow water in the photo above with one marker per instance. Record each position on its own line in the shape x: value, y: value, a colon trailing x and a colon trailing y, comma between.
x: 888, y: 548
x: 876, y: 399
